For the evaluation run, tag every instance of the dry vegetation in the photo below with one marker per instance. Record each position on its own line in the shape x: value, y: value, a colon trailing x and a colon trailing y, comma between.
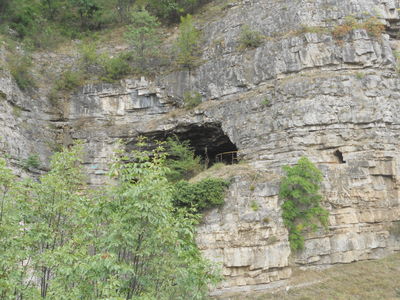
x: 372, y: 280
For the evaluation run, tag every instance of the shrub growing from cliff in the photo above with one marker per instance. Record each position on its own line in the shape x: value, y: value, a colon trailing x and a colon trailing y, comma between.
x: 20, y: 66
x: 207, y: 193
x: 144, y: 39
x: 181, y: 160
x: 249, y: 38
x: 301, y: 209
x: 187, y: 44
x: 171, y: 10
x: 372, y: 25
x: 191, y: 99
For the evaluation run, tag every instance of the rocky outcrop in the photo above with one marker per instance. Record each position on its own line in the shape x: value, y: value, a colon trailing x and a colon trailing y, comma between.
x: 301, y: 93
x: 25, y: 124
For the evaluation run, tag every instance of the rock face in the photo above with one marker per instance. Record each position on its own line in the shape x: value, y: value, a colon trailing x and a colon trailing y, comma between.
x: 301, y: 93
x: 25, y: 125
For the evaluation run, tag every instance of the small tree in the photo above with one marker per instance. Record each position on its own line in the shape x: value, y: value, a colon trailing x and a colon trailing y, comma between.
x: 144, y: 38
x: 181, y: 161
x: 187, y: 44
x: 249, y: 38
x: 171, y: 10
x: 301, y: 208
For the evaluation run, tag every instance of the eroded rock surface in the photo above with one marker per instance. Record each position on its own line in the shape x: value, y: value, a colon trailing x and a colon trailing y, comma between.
x: 299, y: 93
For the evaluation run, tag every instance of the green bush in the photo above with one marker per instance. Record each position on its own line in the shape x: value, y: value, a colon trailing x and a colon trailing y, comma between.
x: 301, y: 208
x: 20, y: 66
x: 89, y: 56
x: 191, y: 99
x: 115, y: 68
x: 187, y: 44
x: 70, y: 80
x: 127, y: 241
x: 32, y: 161
x: 181, y: 161
x: 199, y: 196
x: 171, y: 10
x: 250, y: 38
x: 144, y: 38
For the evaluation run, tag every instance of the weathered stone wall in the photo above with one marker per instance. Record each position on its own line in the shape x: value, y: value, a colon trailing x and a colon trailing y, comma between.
x: 323, y: 96
x: 25, y: 123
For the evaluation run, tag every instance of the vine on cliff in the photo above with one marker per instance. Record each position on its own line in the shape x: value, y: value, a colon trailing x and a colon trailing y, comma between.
x: 301, y: 210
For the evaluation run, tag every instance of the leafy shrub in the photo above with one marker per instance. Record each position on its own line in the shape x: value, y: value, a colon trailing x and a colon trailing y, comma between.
x: 187, y: 44
x: 127, y: 242
x: 144, y: 39
x: 115, y: 68
x: 31, y: 162
x: 181, y: 161
x: 249, y: 38
x: 171, y: 10
x: 191, y: 99
x: 373, y: 26
x: 70, y: 80
x: 199, y: 196
x: 89, y: 56
x: 301, y: 208
x: 20, y: 70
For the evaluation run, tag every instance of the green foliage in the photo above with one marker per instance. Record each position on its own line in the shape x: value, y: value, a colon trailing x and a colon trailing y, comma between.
x: 41, y: 217
x: 181, y: 161
x: 144, y: 39
x: 360, y: 75
x: 187, y: 44
x: 45, y: 23
x: 88, y: 56
x: 249, y: 38
x: 88, y: 10
x: 265, y: 102
x: 301, y: 208
x: 127, y: 241
x: 69, y: 80
x: 16, y: 111
x: 254, y: 206
x: 311, y: 29
x: 199, y: 196
x: 32, y: 161
x: 115, y: 68
x: 171, y: 10
x: 20, y: 66
x: 191, y: 99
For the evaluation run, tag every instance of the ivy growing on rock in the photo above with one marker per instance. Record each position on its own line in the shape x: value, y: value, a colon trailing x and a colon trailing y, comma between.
x: 301, y: 209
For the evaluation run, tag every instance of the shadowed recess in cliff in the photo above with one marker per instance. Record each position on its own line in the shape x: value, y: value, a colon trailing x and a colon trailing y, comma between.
x: 207, y: 140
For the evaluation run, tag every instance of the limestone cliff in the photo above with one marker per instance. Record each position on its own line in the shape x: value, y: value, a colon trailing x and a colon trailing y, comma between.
x: 336, y: 102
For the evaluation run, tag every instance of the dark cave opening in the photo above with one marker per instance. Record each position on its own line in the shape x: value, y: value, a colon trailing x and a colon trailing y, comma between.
x: 207, y: 140
x: 339, y: 156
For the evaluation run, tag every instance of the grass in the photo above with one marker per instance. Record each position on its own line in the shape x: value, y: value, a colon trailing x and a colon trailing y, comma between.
x: 375, y: 279
x: 191, y: 99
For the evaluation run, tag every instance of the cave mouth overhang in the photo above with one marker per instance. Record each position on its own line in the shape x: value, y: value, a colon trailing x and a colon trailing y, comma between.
x: 208, y: 141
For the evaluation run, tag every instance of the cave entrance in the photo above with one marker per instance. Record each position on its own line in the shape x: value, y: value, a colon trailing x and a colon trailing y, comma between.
x: 207, y: 140
x: 339, y: 157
